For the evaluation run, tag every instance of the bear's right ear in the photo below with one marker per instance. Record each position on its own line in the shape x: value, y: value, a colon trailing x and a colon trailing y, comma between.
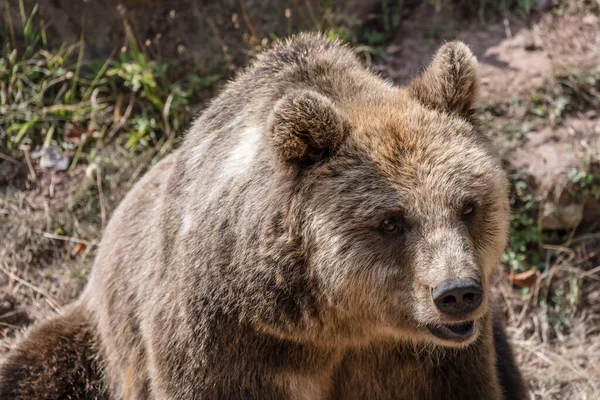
x: 306, y: 127
x: 450, y: 83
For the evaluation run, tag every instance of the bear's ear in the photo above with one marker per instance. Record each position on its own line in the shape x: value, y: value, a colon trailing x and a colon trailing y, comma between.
x: 306, y: 127
x: 450, y: 83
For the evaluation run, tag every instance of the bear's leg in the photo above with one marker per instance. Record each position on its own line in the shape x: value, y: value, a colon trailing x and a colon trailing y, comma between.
x: 511, y: 381
x: 55, y: 360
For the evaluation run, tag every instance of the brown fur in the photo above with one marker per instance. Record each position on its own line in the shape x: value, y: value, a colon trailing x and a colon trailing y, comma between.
x: 57, y: 360
x: 251, y: 263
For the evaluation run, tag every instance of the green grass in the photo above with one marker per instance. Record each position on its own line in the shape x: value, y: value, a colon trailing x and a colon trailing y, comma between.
x: 127, y: 97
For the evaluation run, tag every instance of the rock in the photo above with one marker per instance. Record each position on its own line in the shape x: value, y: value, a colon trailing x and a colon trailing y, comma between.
x: 51, y: 158
x: 559, y: 217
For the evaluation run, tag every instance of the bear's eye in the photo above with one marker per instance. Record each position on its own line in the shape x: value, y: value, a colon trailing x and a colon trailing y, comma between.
x: 468, y: 211
x: 393, y: 225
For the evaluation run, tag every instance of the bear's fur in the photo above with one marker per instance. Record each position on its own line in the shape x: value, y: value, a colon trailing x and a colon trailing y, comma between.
x: 289, y: 248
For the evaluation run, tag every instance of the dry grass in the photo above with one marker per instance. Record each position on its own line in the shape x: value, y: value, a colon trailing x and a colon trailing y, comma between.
x: 555, y: 325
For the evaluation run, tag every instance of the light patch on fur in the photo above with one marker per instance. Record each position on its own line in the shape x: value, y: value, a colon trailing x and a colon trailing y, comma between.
x: 199, y: 152
x: 303, y: 387
x: 192, y: 210
x: 186, y: 222
x: 241, y: 157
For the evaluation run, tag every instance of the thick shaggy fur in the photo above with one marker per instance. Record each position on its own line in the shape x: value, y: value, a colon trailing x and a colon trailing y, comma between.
x: 57, y: 360
x: 252, y: 262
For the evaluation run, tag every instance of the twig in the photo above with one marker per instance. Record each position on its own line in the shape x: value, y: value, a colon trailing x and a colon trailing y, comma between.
x: 93, y: 114
x: 165, y: 114
x: 11, y: 313
x: 101, y: 198
x: 580, y: 273
x: 585, y: 237
x: 31, y: 286
x: 246, y: 18
x: 124, y: 118
x: 65, y: 238
x: 590, y: 272
x: 562, y: 250
x: 507, y: 31
x: 9, y: 159
x: 30, y: 165
x: 61, y: 107
x: 505, y: 21
x: 52, y: 184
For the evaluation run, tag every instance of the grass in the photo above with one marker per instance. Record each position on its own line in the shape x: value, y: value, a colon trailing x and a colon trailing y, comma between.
x: 54, y: 97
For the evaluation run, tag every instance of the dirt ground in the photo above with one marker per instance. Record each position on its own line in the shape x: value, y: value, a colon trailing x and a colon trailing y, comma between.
x: 50, y: 226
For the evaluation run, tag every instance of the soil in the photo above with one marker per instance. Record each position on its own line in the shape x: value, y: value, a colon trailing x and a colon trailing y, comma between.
x: 50, y: 225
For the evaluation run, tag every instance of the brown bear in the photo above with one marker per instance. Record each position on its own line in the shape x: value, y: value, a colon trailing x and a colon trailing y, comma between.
x: 320, y: 234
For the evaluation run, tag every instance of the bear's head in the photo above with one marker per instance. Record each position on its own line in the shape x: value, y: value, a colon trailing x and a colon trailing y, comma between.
x: 404, y: 204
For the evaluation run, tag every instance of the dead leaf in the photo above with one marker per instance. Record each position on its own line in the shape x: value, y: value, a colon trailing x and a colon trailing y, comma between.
x: 73, y: 132
x: 524, y: 279
x: 117, y: 111
x: 78, y: 249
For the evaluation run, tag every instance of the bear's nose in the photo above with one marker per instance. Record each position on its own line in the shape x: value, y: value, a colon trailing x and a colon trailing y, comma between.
x: 458, y: 297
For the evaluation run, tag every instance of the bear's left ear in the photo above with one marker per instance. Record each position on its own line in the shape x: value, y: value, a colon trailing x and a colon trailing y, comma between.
x: 306, y: 127
x: 450, y: 83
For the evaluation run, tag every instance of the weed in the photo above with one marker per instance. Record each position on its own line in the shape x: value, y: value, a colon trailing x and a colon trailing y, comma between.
x: 524, y: 230
x: 566, y: 94
x: 379, y: 28
x: 586, y: 180
x: 43, y: 90
x: 391, y: 10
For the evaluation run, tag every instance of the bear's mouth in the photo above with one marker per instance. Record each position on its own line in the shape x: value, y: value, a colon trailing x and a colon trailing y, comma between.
x: 456, y: 332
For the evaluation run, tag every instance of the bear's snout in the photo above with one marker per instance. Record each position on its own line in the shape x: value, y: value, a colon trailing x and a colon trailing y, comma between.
x: 458, y: 297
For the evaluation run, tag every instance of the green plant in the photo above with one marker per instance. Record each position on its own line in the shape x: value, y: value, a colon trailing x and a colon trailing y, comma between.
x: 586, y: 180
x: 391, y: 16
x: 380, y: 27
x: 44, y: 91
x: 566, y: 94
x: 524, y: 232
